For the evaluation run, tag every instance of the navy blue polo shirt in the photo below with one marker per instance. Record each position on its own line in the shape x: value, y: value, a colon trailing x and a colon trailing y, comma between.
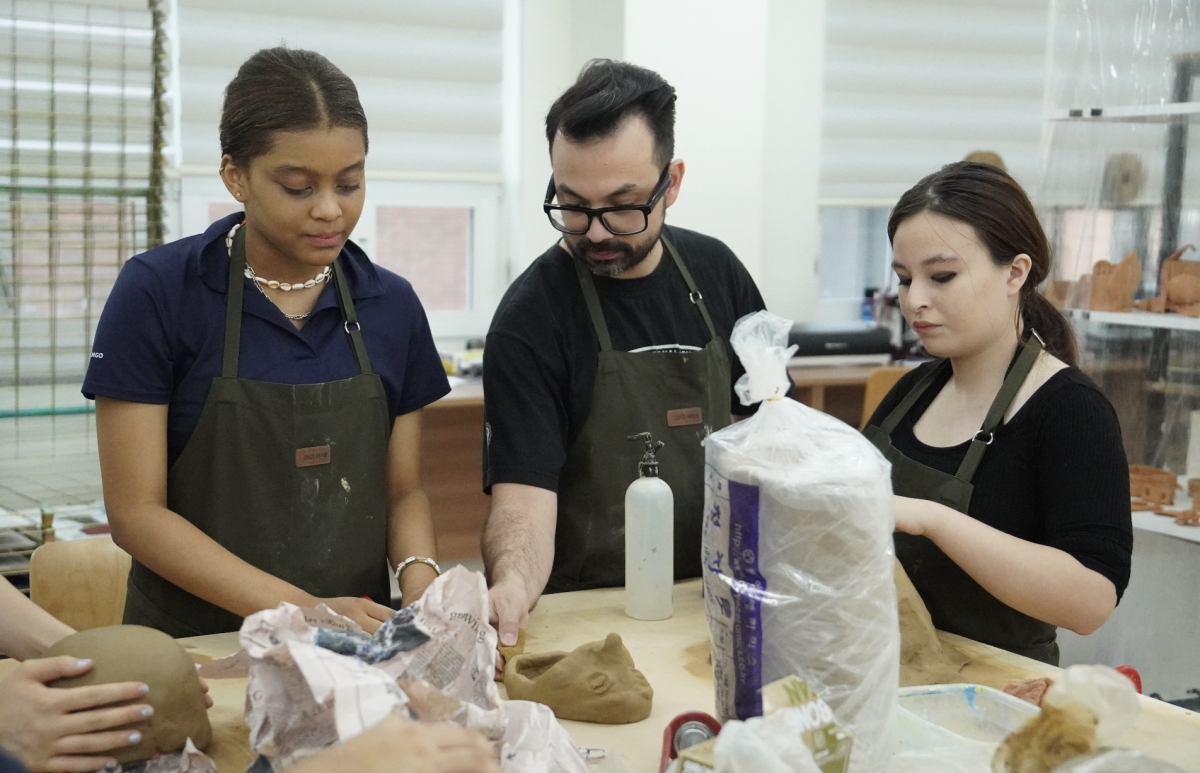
x: 161, y: 335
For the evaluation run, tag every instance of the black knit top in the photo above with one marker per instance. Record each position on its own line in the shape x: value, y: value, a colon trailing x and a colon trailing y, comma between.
x: 1056, y: 473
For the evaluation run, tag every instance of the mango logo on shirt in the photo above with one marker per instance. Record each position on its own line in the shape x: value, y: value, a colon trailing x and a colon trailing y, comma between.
x: 97, y: 355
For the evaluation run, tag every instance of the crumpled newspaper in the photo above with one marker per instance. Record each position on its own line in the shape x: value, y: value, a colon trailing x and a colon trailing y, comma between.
x: 189, y: 759
x: 316, y: 679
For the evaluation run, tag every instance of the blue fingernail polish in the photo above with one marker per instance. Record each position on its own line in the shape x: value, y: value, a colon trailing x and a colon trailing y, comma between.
x: 145, y: 689
x: 148, y: 711
x: 110, y: 765
x: 83, y: 663
x: 135, y: 737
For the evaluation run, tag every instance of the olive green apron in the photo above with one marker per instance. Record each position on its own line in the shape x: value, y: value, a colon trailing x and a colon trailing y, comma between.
x: 679, y: 398
x: 291, y: 478
x: 956, y: 602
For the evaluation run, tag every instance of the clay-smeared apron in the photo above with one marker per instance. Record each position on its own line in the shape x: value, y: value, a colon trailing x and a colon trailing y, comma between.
x: 678, y: 397
x: 956, y: 602
x: 290, y: 478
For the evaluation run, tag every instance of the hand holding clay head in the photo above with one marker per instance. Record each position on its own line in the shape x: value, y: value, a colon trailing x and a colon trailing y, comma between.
x: 132, y: 653
x: 49, y: 729
x: 597, y: 682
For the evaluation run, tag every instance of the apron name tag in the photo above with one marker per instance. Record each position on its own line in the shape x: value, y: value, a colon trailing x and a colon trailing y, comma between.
x: 683, y: 417
x: 311, y: 457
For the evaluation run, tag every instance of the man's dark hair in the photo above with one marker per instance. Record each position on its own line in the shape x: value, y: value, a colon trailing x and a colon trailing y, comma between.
x: 285, y: 89
x: 607, y: 92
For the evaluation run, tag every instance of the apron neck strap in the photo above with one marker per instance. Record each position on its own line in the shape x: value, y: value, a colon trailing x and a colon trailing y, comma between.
x: 233, y: 310
x: 593, y: 304
x: 1004, y: 398
x: 233, y: 305
x: 914, y: 394
x: 350, y: 318
x: 693, y: 293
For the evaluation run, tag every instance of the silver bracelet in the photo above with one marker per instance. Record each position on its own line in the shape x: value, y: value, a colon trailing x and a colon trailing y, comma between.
x: 417, y: 560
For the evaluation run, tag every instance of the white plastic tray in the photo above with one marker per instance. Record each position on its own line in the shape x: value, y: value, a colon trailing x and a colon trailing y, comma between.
x: 954, y: 727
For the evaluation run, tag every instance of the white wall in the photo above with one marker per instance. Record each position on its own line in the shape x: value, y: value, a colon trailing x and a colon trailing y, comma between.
x: 749, y: 79
x: 556, y: 38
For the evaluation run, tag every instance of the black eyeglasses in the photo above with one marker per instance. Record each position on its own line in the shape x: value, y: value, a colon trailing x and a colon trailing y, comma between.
x: 625, y: 220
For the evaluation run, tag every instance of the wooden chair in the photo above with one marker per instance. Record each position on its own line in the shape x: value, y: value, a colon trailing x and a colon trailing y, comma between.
x: 879, y: 383
x: 81, y: 582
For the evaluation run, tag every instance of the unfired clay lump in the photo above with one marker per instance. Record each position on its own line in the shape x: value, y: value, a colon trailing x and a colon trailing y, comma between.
x: 132, y: 653
x: 597, y: 682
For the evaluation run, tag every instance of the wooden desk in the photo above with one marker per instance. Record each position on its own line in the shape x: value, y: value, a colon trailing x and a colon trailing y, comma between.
x: 451, y: 449
x: 673, y: 654
x: 846, y: 385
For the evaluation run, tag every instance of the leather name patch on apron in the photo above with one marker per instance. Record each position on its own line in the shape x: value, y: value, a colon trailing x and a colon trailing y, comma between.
x: 683, y: 417
x: 311, y: 457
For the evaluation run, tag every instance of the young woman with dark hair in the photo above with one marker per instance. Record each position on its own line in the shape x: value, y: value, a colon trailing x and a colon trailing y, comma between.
x: 1011, y: 483
x: 258, y: 387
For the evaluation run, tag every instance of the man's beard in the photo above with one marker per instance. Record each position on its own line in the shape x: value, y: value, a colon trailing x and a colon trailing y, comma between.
x: 628, y: 255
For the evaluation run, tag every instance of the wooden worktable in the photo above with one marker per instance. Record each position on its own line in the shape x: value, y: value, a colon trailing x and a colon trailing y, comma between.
x: 673, y: 654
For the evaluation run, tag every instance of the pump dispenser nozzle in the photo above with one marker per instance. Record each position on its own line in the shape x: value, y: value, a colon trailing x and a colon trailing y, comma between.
x: 648, y: 467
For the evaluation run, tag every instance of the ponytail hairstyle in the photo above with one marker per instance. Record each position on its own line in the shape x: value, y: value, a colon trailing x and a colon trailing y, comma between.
x: 285, y: 89
x: 992, y: 203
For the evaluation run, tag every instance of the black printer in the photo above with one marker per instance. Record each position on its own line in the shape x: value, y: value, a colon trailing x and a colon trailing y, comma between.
x: 849, y: 342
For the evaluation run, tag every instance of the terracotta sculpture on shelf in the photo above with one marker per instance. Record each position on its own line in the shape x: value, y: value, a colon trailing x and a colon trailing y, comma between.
x: 1151, y: 487
x: 1178, y: 286
x: 1194, y: 490
x: 132, y: 653
x: 1113, y: 287
x: 596, y: 682
x: 1188, y: 517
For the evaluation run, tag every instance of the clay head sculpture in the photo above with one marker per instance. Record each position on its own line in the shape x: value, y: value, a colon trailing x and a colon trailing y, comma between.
x: 597, y: 682
x: 132, y: 653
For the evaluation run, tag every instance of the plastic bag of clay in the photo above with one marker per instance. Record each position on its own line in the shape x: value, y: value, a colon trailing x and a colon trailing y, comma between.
x: 770, y: 744
x: 798, y: 557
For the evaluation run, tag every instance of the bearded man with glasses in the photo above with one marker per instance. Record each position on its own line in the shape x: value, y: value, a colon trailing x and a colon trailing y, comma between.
x: 621, y: 327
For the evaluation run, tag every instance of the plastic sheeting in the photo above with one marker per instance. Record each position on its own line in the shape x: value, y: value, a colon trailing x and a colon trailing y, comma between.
x: 1120, y: 174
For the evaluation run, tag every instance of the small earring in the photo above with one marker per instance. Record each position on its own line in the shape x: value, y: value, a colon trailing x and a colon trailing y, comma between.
x: 237, y: 195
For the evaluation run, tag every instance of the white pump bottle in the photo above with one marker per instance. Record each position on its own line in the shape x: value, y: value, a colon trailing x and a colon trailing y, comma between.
x: 649, y: 539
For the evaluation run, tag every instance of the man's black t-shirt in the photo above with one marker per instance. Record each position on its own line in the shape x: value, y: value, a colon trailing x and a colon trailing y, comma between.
x: 541, y: 353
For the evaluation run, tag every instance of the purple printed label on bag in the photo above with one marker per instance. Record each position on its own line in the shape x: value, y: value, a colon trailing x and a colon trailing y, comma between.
x: 748, y: 591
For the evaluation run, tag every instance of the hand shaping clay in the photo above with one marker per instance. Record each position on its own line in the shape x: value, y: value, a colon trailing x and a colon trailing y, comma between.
x: 132, y: 653
x: 923, y: 658
x: 597, y: 682
x: 508, y: 653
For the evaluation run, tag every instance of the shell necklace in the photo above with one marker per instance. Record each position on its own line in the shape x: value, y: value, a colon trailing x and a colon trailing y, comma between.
x: 260, y: 283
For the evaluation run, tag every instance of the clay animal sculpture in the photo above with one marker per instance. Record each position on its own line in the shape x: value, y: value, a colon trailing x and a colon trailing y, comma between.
x: 923, y: 658
x: 1155, y: 486
x: 597, y: 682
x: 1188, y: 518
x: 1113, y: 287
x: 1178, y: 286
x: 132, y: 653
